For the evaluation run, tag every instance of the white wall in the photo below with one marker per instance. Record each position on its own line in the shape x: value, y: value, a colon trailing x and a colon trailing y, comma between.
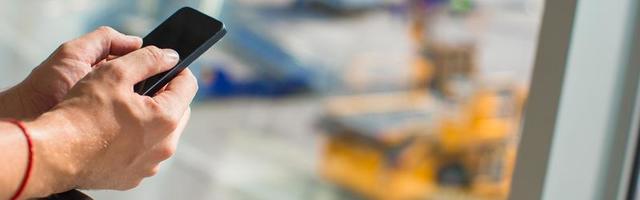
x: 32, y: 29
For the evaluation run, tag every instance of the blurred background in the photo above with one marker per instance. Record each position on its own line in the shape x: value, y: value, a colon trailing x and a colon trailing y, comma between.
x: 325, y: 99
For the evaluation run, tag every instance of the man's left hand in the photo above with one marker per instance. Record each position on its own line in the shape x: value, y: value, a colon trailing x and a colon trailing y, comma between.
x: 50, y: 81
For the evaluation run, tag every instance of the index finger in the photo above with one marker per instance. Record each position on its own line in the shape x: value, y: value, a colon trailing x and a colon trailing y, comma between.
x: 143, y: 63
x: 98, y: 45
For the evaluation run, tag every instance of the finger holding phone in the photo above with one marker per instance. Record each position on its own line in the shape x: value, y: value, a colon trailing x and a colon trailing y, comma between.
x: 117, y: 122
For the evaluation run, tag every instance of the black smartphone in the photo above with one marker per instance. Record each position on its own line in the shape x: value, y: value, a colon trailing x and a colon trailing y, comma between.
x: 187, y: 31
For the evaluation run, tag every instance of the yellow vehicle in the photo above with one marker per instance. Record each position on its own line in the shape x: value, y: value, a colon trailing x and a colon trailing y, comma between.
x: 407, y: 149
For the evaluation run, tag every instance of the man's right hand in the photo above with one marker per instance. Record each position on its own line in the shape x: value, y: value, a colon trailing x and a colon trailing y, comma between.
x: 103, y: 135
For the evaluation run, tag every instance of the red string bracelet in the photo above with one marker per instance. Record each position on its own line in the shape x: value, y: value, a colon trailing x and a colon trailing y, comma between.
x: 27, y: 174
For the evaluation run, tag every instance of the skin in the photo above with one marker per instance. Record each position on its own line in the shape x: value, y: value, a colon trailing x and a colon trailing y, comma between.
x: 90, y: 130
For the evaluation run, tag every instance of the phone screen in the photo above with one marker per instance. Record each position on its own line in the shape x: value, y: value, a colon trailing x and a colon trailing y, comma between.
x: 190, y: 33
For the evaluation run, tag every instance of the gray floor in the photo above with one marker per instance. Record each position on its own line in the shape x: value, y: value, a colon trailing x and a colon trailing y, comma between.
x: 242, y: 149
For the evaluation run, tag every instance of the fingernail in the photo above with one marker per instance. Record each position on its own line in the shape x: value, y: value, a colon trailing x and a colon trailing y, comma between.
x: 172, y: 54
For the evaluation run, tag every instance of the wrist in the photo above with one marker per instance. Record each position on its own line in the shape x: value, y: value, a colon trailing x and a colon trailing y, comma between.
x: 10, y: 104
x: 18, y: 102
x: 54, y: 170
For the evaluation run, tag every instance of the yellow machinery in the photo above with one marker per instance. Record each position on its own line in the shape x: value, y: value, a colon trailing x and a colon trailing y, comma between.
x: 406, y: 149
x: 371, y: 148
x: 448, y: 138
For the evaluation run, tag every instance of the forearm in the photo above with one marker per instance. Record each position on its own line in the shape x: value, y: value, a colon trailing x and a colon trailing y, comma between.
x: 47, y: 175
x: 14, y: 159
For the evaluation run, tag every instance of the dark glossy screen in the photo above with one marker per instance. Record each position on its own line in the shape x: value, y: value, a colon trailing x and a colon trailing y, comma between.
x: 184, y: 31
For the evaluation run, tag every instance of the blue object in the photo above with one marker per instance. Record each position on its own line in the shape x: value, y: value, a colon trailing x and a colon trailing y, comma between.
x: 224, y: 86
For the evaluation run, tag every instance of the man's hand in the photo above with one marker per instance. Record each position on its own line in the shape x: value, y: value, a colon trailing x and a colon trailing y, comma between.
x: 50, y: 81
x: 103, y: 135
x: 96, y: 132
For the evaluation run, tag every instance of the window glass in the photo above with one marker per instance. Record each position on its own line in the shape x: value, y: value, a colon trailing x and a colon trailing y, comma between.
x: 325, y: 99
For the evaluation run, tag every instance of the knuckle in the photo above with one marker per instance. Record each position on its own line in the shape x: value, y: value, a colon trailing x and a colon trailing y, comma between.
x: 66, y: 49
x: 161, y: 116
x: 154, y: 53
x: 194, y: 82
x: 166, y: 152
x: 153, y: 171
x: 169, y: 122
x: 195, y: 88
x: 106, y: 29
x: 153, y: 106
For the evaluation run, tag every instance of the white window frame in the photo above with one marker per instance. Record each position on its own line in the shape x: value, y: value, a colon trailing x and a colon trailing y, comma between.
x: 580, y: 127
